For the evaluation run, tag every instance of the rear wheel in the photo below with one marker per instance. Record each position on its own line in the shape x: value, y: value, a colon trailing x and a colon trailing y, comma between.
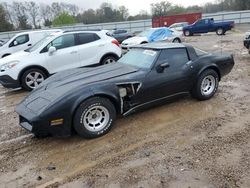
x: 94, y: 117
x: 177, y: 40
x: 108, y: 60
x: 32, y: 78
x: 206, y: 85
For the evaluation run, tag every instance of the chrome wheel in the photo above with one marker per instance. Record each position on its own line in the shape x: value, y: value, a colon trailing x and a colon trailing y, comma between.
x: 109, y: 61
x: 96, y: 118
x: 33, y: 79
x: 208, y: 85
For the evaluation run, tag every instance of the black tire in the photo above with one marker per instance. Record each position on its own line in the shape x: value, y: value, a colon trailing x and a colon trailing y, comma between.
x: 108, y: 60
x: 220, y: 31
x: 176, y: 40
x: 82, y: 123
x: 200, y: 93
x: 24, y: 78
x: 187, y: 33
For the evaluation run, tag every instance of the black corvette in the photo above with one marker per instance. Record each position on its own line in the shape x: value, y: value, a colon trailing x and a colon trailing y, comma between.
x: 87, y: 100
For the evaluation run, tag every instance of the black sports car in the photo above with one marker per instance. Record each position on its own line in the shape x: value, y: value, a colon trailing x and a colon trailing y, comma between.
x: 87, y: 100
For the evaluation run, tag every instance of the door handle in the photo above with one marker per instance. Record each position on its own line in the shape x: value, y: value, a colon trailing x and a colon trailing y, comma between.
x: 29, y: 44
x: 73, y: 52
x: 101, y: 45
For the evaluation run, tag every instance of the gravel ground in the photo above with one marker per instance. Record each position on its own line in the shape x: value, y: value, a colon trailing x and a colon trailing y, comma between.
x: 183, y: 144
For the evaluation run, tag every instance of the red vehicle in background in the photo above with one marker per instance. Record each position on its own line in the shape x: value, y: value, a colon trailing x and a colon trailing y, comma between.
x: 166, y: 21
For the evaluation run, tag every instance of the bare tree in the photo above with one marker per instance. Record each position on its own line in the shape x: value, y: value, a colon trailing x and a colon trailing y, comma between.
x: 33, y: 11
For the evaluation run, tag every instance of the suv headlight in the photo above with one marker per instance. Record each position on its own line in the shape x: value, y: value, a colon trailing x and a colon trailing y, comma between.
x: 8, y: 65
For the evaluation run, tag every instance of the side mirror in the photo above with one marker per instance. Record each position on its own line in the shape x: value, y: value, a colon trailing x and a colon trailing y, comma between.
x: 160, y: 68
x: 52, y: 50
x: 15, y: 43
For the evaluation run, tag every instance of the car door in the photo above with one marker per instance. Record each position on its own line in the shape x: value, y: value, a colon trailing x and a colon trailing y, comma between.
x: 90, y: 48
x: 21, y: 42
x: 201, y: 26
x: 66, y: 55
x: 175, y: 77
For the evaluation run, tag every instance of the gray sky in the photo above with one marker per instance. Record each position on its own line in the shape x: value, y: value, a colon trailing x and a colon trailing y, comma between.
x: 134, y: 6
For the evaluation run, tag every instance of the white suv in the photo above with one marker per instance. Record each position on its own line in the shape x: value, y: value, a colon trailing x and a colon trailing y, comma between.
x: 55, y: 53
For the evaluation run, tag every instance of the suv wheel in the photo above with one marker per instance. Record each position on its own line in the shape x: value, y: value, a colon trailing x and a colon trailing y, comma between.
x: 32, y: 78
x: 108, y: 60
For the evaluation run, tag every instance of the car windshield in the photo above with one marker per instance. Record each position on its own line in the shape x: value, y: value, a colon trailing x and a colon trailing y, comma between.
x: 142, y: 58
x: 147, y: 33
x: 39, y: 44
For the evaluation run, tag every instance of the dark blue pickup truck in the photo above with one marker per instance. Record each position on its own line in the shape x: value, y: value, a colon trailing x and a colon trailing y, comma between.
x: 208, y: 25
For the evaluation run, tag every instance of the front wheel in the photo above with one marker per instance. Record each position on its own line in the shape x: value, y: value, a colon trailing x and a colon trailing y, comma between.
x: 32, y: 78
x: 187, y: 33
x: 220, y: 31
x: 94, y: 117
x: 206, y: 86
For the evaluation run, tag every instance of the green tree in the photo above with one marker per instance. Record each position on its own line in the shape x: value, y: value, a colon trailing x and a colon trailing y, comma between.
x: 4, y: 24
x: 63, y: 19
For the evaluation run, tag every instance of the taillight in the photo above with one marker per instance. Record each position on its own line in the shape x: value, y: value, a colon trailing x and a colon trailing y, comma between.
x: 116, y: 43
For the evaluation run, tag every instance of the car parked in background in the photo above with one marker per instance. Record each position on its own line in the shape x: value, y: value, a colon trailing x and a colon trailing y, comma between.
x: 247, y: 41
x: 57, y: 52
x: 208, y: 25
x: 178, y: 26
x: 120, y: 35
x: 23, y: 41
x: 153, y: 35
x: 88, y: 100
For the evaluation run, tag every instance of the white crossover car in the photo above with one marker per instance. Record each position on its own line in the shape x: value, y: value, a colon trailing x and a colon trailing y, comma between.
x: 57, y: 52
x: 154, y: 35
x: 23, y: 41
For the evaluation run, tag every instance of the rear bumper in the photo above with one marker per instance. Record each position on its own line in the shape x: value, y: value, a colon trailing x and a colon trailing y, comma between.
x: 9, y: 82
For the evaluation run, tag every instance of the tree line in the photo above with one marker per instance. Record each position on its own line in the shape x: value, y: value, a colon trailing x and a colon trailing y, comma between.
x: 29, y: 14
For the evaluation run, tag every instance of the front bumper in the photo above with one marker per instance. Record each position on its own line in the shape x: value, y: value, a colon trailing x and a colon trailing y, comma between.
x: 246, y: 43
x: 9, y: 82
x: 42, y: 126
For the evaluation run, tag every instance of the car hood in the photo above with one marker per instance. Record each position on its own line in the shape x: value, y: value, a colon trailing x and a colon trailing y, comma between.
x: 84, y: 76
x: 55, y: 87
x: 135, y: 40
x: 18, y: 56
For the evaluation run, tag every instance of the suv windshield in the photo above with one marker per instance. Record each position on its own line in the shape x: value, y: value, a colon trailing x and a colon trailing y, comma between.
x: 39, y: 43
x: 143, y: 58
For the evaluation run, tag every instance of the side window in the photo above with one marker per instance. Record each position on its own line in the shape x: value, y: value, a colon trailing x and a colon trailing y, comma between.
x: 84, y: 38
x: 117, y: 32
x: 123, y: 31
x: 22, y: 39
x: 175, y: 57
x: 200, y: 22
x: 61, y: 42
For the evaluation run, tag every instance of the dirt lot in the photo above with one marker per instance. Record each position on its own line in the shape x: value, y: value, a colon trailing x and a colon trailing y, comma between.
x: 183, y: 144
